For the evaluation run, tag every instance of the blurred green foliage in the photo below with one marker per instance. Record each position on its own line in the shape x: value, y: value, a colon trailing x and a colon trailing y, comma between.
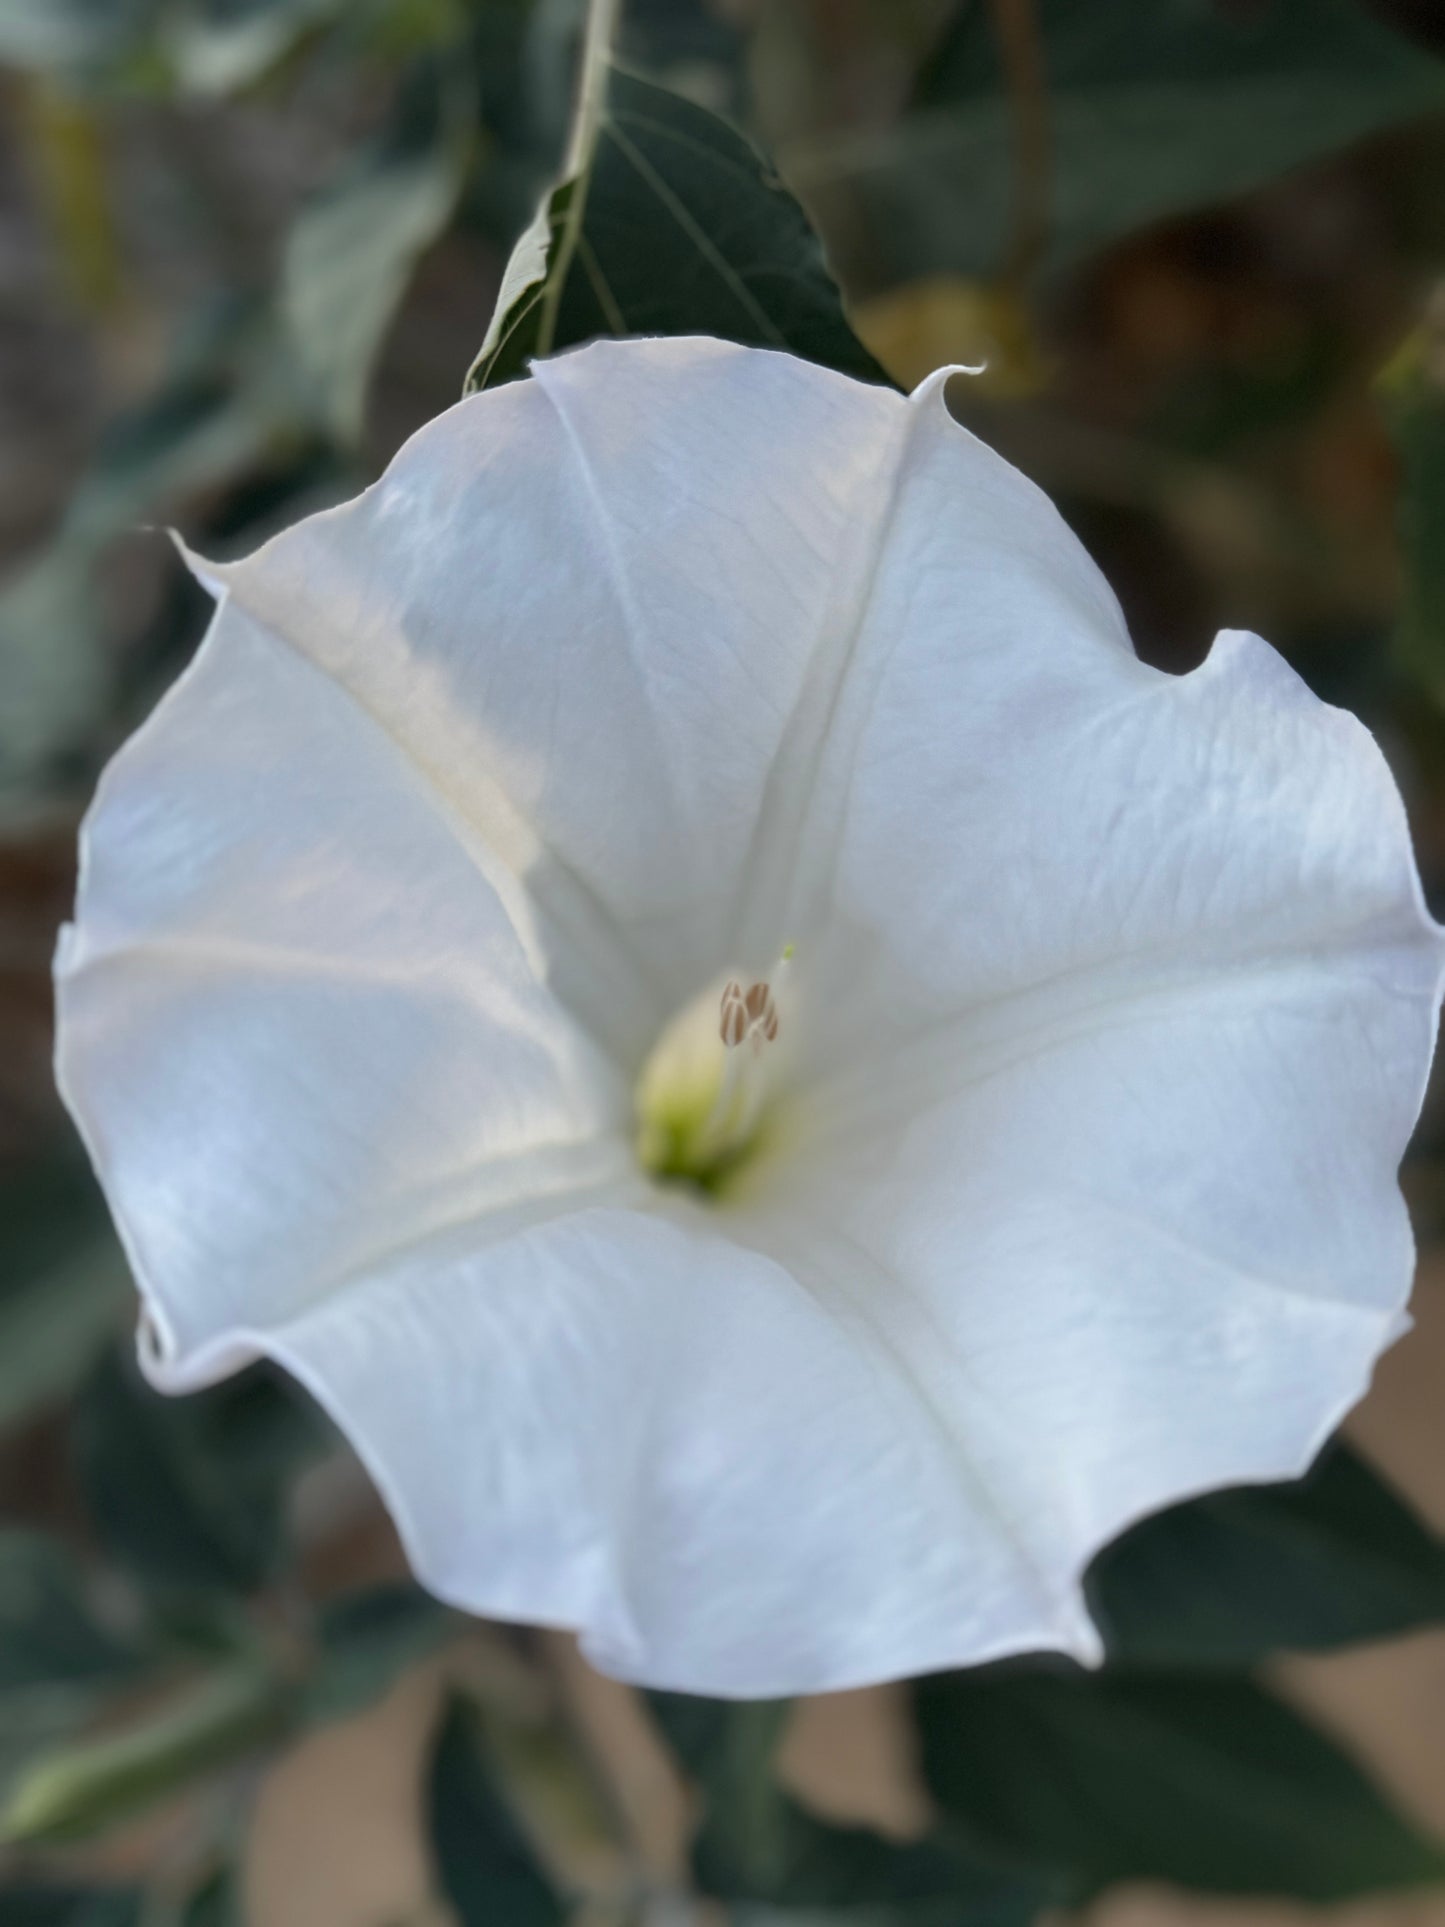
x: 188, y: 1495
x: 757, y: 1847
x: 63, y: 1280
x: 1208, y: 1783
x: 162, y: 1628
x: 488, y: 1868
x: 1150, y: 111
x: 355, y: 242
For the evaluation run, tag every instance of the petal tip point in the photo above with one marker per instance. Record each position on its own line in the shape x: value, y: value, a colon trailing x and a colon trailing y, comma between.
x: 210, y: 575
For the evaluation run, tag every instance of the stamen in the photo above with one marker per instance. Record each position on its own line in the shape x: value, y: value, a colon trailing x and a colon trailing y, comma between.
x: 748, y: 1017
x: 733, y: 1027
x: 700, y: 1109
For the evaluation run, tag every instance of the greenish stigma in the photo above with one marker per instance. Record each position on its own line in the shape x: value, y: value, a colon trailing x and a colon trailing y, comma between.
x: 703, y: 1093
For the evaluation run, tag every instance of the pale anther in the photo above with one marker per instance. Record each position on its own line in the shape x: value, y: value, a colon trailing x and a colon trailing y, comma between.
x: 749, y: 1016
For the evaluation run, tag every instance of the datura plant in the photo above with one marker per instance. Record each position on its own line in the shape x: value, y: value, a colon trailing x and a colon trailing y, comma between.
x: 672, y: 965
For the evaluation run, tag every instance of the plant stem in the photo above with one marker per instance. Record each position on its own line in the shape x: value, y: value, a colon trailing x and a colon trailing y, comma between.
x: 90, y: 1784
x: 597, y: 42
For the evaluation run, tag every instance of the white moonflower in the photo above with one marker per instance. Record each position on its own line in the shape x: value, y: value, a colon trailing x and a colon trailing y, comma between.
x: 670, y: 962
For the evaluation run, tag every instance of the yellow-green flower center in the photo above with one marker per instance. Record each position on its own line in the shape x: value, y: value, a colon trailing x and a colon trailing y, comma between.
x: 702, y: 1098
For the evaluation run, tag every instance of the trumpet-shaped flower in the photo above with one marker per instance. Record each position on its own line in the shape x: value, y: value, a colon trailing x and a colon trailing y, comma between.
x: 670, y: 962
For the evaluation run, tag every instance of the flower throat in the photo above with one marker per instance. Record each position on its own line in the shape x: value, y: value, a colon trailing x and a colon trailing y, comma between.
x: 702, y: 1097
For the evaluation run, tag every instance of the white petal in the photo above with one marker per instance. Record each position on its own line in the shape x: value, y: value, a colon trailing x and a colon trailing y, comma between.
x: 1004, y: 797
x: 585, y: 604
x: 299, y: 1018
x: 978, y: 614
x: 1129, y: 1218
x: 626, y: 1424
x: 1131, y: 1265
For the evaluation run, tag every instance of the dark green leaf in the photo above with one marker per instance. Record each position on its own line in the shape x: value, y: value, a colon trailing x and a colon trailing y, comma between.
x: 354, y: 244
x: 190, y: 1494
x: 367, y: 1641
x: 63, y: 1280
x: 61, y: 1660
x: 485, y: 1864
x: 49, y: 1632
x: 744, y: 1845
x: 721, y: 1742
x: 1211, y: 1784
x: 757, y: 1845
x: 217, y: 1903
x: 32, y: 1906
x: 678, y: 226
x: 1151, y: 111
x: 818, y: 1868
x: 1223, y: 1581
